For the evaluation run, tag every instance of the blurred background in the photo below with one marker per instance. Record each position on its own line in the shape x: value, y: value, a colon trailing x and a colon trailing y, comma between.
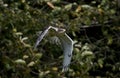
x: 94, y: 26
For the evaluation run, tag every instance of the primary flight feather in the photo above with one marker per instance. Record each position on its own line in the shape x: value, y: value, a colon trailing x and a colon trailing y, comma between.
x: 65, y: 40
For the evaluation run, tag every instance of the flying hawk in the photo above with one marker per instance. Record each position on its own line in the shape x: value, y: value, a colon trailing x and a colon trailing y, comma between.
x: 65, y: 41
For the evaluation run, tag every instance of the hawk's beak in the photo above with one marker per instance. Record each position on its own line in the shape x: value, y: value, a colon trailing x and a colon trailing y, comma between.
x: 61, y: 30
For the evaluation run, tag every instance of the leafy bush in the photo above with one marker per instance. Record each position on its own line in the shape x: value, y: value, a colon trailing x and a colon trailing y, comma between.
x: 93, y: 25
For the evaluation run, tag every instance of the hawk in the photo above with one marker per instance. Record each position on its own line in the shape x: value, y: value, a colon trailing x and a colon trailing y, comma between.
x: 65, y: 41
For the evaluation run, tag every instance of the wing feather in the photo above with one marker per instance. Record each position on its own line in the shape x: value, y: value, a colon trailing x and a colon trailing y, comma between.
x: 41, y: 37
x: 67, y: 44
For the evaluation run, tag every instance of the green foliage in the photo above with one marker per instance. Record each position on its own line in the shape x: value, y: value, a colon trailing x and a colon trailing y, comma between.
x: 96, y: 54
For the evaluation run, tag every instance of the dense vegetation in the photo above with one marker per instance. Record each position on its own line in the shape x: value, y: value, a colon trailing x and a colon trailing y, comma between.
x: 94, y: 25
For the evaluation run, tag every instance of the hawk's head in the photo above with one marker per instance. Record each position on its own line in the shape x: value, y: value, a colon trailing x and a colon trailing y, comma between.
x: 61, y: 30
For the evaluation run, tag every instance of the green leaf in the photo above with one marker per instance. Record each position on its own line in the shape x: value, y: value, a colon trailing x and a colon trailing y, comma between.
x: 68, y: 7
x: 87, y: 53
x: 100, y: 62
x: 32, y: 63
x: 20, y: 61
x: 38, y: 55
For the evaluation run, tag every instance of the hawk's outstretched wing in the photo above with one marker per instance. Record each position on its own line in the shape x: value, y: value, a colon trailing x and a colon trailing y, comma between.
x: 41, y: 37
x: 67, y: 44
x: 43, y: 34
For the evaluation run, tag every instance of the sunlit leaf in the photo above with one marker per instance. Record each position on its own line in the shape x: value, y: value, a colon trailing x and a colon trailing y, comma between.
x: 18, y: 33
x: 38, y: 55
x: 31, y: 64
x: 20, y: 61
x: 100, y: 62
x: 25, y: 56
x: 54, y: 68
x: 68, y: 7
x: 87, y: 53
